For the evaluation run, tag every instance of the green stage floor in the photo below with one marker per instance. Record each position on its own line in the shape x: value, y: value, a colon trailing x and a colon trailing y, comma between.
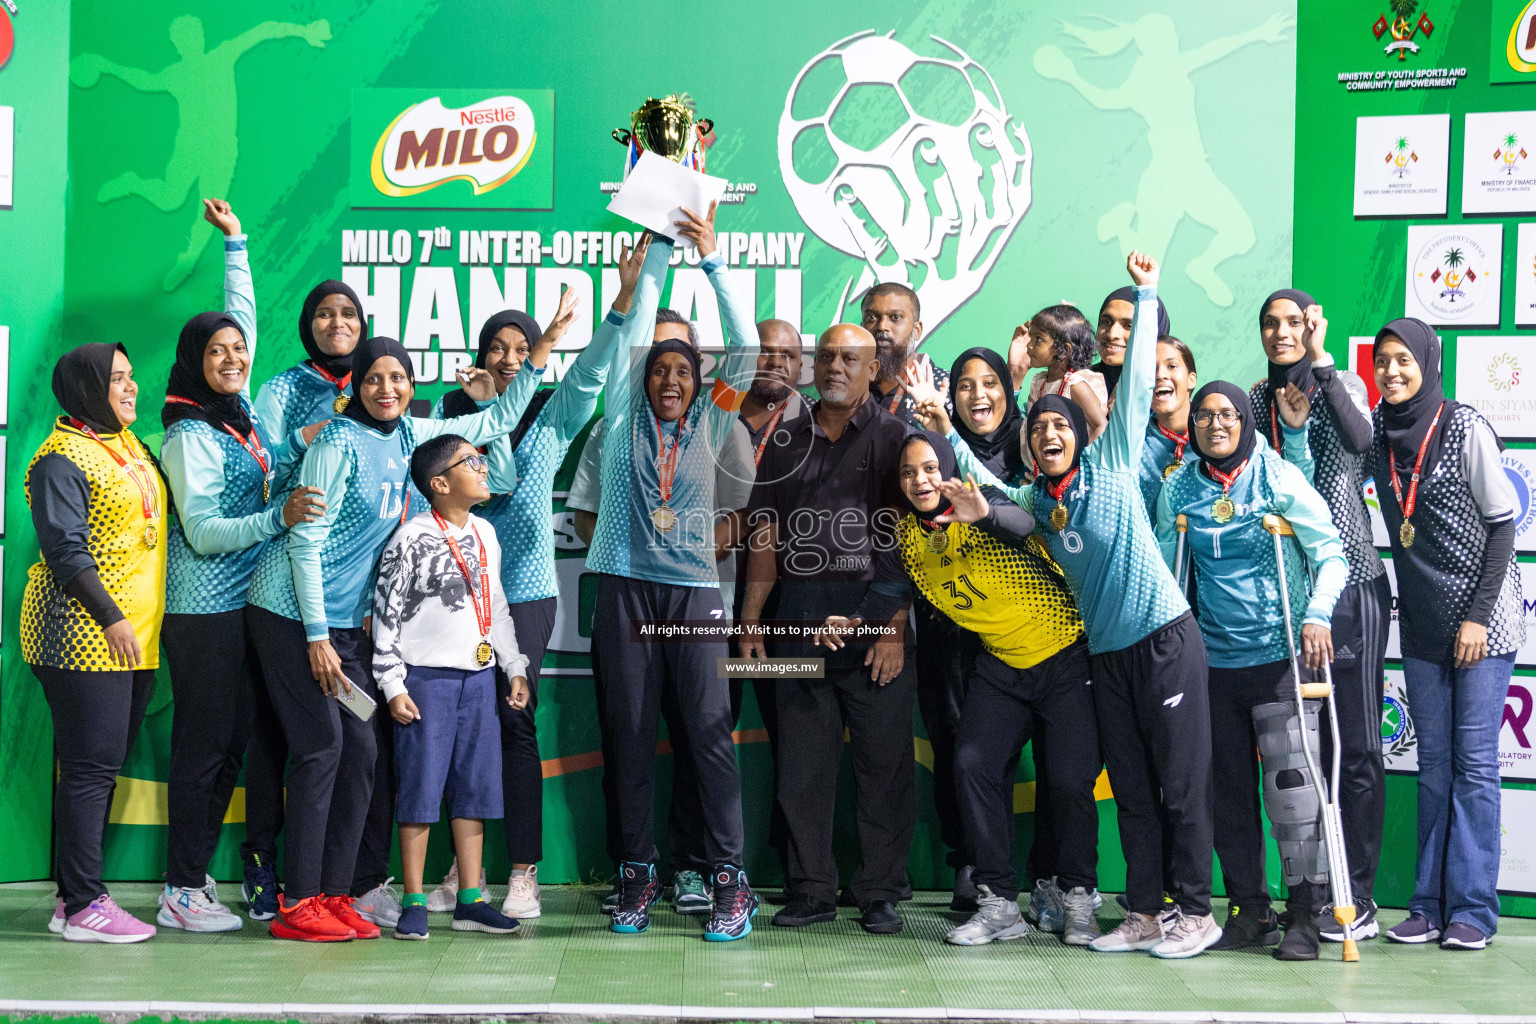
x: 568, y: 963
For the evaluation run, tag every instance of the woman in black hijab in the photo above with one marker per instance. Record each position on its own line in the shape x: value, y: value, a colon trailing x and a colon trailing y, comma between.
x: 987, y: 413
x: 1224, y: 499
x: 1304, y: 382
x: 90, y: 617
x: 331, y: 323
x: 1449, y: 511
x: 221, y: 466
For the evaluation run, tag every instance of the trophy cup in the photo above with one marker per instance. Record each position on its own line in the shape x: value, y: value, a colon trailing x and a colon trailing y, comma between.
x: 666, y: 127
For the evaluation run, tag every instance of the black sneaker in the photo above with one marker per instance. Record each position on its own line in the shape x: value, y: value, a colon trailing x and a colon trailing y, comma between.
x: 1248, y: 926
x: 734, y: 905
x: 880, y: 918
x: 1364, y: 925
x: 1460, y: 935
x: 966, y: 893
x: 1301, y: 940
x: 803, y: 910
x: 259, y: 888
x: 638, y: 889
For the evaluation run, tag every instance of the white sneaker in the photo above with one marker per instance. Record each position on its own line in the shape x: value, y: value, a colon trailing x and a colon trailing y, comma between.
x: 996, y: 920
x: 1188, y: 935
x: 445, y: 897
x: 522, y: 900
x: 1079, y: 928
x: 195, y: 910
x: 1136, y: 932
x: 56, y: 922
x: 379, y: 905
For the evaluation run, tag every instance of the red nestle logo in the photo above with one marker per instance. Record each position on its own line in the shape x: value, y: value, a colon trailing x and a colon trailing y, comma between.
x: 487, y: 115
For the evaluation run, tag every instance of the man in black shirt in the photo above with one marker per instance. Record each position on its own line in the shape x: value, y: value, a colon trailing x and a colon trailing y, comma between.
x: 823, y: 508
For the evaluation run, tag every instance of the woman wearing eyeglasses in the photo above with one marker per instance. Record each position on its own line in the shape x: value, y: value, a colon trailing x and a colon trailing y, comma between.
x: 1224, y: 498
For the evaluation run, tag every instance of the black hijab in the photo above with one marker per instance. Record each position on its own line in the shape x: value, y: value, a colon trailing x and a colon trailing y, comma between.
x: 1246, y: 437
x: 1075, y: 416
x: 336, y: 366
x: 949, y: 469
x: 457, y: 403
x: 1407, y: 422
x: 1164, y: 326
x: 188, y: 381
x: 689, y: 353
x: 998, y: 450
x: 1298, y: 373
x: 368, y: 352
x: 80, y: 381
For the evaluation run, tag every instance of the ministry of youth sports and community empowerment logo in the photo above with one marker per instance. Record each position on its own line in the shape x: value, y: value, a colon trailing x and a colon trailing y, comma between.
x: 910, y: 162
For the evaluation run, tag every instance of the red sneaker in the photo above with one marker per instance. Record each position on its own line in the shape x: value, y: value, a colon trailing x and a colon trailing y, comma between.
x: 308, y: 921
x: 340, y: 907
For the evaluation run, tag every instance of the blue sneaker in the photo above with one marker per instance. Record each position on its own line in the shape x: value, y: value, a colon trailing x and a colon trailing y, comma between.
x: 412, y: 923
x: 259, y: 889
x: 638, y: 889
x: 480, y: 916
x: 735, y: 906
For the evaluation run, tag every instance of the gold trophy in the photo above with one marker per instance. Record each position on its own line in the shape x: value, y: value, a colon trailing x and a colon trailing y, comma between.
x: 666, y: 127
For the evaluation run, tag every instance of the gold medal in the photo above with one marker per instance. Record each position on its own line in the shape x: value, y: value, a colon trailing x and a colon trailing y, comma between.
x: 1169, y: 470
x: 938, y: 540
x: 663, y: 518
x: 1059, y: 517
x: 151, y: 535
x: 341, y: 403
x: 1222, y: 509
x: 483, y: 653
x: 1405, y: 533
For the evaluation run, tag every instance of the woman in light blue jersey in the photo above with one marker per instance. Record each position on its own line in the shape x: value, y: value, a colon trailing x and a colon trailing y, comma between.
x: 1167, y: 445
x: 1148, y: 657
x: 1224, y: 498
x: 308, y: 602
x: 221, y: 463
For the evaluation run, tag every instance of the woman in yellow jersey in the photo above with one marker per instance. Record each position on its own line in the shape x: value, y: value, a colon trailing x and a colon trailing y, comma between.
x: 969, y: 552
x: 90, y: 620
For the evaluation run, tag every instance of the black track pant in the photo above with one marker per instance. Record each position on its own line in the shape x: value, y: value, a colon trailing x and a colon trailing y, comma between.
x: 96, y: 717
x: 944, y: 661
x: 812, y: 716
x: 1004, y: 707
x: 266, y: 763
x: 636, y: 677
x: 373, y: 849
x: 213, y: 680
x: 522, y: 771
x: 331, y: 752
x: 1360, y: 622
x: 1237, y: 776
x: 1155, y: 728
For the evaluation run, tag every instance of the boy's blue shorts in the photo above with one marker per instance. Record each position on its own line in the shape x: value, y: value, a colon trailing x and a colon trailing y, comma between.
x: 452, y: 753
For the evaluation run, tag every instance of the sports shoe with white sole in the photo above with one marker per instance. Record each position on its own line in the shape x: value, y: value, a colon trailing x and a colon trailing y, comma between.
x: 1137, y: 932
x: 523, y: 900
x: 445, y: 897
x: 1045, y: 906
x: 105, y: 921
x: 1188, y: 935
x: 1414, y: 931
x: 1078, y: 926
x: 195, y: 910
x: 379, y: 905
x: 1460, y: 935
x: 1363, y: 927
x: 56, y: 922
x: 997, y: 919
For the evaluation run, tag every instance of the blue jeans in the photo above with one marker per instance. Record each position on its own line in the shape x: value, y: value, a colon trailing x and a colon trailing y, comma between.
x: 1457, y: 714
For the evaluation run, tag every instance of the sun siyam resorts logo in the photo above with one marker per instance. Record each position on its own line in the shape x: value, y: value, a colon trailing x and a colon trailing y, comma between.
x: 422, y: 148
x: 1504, y: 372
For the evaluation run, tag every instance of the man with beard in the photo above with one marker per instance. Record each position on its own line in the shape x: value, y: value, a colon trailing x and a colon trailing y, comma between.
x: 892, y: 314
x: 822, y: 507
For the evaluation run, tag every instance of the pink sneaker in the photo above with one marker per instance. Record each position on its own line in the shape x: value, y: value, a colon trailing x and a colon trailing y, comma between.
x: 56, y: 923
x: 105, y: 921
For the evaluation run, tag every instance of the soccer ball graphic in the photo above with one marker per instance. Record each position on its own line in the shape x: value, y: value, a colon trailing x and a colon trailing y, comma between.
x: 910, y: 162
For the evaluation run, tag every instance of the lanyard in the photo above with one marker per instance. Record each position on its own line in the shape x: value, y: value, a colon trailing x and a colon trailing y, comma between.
x: 896, y: 399
x: 482, y: 617
x: 666, y: 462
x: 340, y: 382
x: 1224, y: 479
x: 1061, y: 488
x: 1406, y: 507
x: 1180, y: 441
x: 773, y: 421
x: 145, y: 485
x: 253, y: 445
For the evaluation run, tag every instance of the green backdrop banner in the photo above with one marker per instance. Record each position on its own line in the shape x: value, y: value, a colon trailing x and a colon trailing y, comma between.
x: 997, y: 157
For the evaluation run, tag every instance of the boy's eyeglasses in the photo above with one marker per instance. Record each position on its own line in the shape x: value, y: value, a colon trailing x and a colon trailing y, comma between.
x: 477, y: 462
x: 1227, y: 418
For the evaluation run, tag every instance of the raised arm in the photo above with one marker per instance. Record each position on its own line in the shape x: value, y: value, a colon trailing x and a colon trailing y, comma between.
x: 1119, y: 447
x: 86, y: 70
x: 1272, y: 31
x: 577, y: 395
x: 970, y: 466
x: 640, y: 323
x: 482, y: 427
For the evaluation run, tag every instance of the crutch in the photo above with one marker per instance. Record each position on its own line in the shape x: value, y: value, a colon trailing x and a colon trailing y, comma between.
x: 1179, y: 568
x: 1328, y: 796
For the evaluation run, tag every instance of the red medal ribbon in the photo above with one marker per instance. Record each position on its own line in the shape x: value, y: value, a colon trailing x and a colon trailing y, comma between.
x: 1406, y: 507
x: 1224, y: 479
x: 757, y: 456
x: 666, y: 463
x: 1180, y: 441
x: 482, y: 618
x: 145, y: 485
x: 253, y: 445
x: 340, y: 382
x: 896, y: 399
x: 1061, y: 488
